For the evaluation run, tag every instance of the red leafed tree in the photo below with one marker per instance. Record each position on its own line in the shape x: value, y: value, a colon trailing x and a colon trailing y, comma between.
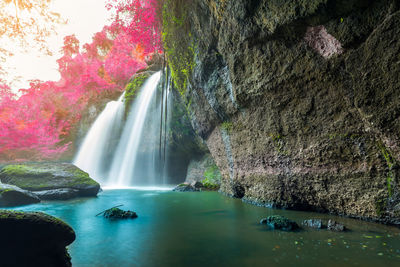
x: 34, y: 125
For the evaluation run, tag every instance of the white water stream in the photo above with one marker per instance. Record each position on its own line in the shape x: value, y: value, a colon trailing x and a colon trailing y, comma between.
x: 135, y: 161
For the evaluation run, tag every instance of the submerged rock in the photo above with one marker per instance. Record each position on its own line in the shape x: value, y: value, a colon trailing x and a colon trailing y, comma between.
x: 11, y: 195
x: 60, y: 180
x: 335, y: 226
x: 279, y: 222
x: 116, y: 213
x: 186, y: 188
x: 314, y: 223
x: 34, y: 239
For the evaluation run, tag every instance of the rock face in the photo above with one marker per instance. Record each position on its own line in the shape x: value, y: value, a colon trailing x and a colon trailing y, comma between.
x: 198, y: 169
x: 298, y: 101
x: 50, y: 180
x: 34, y: 239
x: 14, y: 196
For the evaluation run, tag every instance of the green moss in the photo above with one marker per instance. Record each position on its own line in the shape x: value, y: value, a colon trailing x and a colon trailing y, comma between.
x: 132, y: 88
x: 178, y: 42
x: 212, y: 178
x: 279, y: 144
x: 227, y: 126
x: 38, y: 177
x: 390, y: 162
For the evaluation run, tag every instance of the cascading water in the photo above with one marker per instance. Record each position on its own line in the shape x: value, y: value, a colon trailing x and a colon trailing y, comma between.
x: 135, y: 160
x: 94, y: 150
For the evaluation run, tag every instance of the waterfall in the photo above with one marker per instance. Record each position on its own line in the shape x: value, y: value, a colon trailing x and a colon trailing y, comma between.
x: 135, y: 160
x: 94, y: 150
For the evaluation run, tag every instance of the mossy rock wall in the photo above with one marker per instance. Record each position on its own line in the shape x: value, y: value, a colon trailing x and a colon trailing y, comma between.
x: 298, y: 101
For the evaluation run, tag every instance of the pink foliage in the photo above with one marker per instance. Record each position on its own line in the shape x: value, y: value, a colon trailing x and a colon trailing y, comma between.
x: 35, y: 125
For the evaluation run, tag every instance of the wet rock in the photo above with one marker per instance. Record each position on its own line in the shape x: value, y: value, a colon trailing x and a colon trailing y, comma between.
x: 313, y: 223
x: 197, y: 185
x: 11, y: 195
x: 40, y: 177
x: 279, y: 222
x: 185, y: 188
x: 34, y: 239
x: 116, y: 213
x: 57, y: 194
x: 335, y: 226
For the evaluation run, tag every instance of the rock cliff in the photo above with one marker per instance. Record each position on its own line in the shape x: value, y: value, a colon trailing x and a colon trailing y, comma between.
x: 298, y: 101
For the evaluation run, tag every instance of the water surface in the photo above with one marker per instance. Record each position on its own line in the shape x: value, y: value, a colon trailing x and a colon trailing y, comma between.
x: 209, y: 229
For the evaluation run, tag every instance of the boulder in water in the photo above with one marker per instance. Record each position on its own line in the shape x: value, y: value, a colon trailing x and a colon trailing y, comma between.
x: 11, y: 195
x: 186, y: 188
x: 314, y: 223
x: 34, y: 239
x: 116, y: 213
x: 280, y: 223
x: 39, y: 177
x: 335, y: 226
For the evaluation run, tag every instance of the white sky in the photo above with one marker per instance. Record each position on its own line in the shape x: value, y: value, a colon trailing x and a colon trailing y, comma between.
x: 85, y: 17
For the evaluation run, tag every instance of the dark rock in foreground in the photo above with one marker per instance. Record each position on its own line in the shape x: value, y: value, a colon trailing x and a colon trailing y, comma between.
x: 50, y: 180
x: 335, y: 226
x: 185, y: 188
x: 11, y: 195
x: 280, y: 223
x: 116, y: 213
x: 314, y: 223
x: 34, y: 239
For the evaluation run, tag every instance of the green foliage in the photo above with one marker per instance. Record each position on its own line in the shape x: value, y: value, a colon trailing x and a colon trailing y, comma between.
x: 212, y: 178
x: 227, y: 126
x: 178, y: 42
x: 390, y: 162
x: 132, y: 88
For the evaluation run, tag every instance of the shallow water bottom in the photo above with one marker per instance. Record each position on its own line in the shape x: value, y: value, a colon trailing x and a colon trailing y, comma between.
x: 209, y: 229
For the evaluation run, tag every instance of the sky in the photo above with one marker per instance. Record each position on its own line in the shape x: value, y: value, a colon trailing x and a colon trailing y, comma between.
x: 85, y: 17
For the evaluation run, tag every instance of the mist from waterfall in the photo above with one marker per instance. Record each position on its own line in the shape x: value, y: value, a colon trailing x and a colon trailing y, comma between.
x: 94, y: 150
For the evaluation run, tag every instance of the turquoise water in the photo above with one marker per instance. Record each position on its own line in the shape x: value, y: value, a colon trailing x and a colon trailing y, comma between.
x: 209, y: 229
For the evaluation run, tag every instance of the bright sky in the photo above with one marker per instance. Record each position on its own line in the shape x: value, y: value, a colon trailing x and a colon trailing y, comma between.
x: 85, y: 17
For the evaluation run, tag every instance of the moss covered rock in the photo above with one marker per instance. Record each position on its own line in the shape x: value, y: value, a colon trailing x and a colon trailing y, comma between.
x: 117, y: 213
x: 11, y: 195
x: 132, y: 88
x: 49, y: 176
x: 34, y: 239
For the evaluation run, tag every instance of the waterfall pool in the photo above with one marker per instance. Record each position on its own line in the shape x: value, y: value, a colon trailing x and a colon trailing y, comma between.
x: 209, y: 229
